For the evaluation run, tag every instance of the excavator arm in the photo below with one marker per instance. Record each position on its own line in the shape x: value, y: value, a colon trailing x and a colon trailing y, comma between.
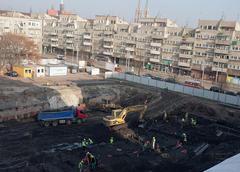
x: 138, y: 108
x: 119, y: 119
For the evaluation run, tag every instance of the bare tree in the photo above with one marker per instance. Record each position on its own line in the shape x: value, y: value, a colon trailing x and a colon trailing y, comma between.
x: 14, y: 48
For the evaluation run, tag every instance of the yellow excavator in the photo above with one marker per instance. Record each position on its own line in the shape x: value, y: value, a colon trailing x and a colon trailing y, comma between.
x: 118, y: 116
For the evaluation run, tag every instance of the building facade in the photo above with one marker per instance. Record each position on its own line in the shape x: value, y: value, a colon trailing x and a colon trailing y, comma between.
x: 22, y: 24
x: 211, y: 51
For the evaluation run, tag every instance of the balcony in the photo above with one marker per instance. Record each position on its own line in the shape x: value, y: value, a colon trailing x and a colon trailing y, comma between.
x: 53, y: 34
x: 108, y: 39
x: 219, y: 69
x: 87, y: 37
x: 234, y: 72
x: 108, y: 46
x: 130, y: 49
x: 223, y: 42
x: 167, y: 58
x: 159, y: 36
x: 88, y: 50
x: 154, y: 44
x: 54, y: 45
x: 69, y: 42
x: 154, y: 60
x: 108, y: 53
x: 220, y: 60
x: 69, y: 47
x: 197, y: 67
x: 185, y: 47
x: 221, y: 51
x: 108, y: 32
x: 87, y: 43
x: 186, y: 56
x: 155, y: 52
x: 131, y: 42
x: 69, y: 35
x: 184, y: 64
x: 54, y: 39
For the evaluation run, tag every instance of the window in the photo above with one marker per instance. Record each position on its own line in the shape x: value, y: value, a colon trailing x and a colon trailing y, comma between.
x: 38, y: 71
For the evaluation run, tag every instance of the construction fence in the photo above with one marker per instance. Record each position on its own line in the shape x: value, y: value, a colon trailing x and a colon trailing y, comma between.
x: 203, y: 93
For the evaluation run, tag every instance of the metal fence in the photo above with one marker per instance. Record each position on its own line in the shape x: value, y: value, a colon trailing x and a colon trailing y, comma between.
x: 219, y: 97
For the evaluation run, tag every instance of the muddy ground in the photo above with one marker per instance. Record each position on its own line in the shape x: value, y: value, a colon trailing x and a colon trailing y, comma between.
x: 25, y: 146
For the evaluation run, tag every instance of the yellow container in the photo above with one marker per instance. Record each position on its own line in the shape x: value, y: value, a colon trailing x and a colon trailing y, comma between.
x: 23, y: 71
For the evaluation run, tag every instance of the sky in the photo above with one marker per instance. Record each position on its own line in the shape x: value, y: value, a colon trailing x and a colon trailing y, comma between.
x: 184, y: 12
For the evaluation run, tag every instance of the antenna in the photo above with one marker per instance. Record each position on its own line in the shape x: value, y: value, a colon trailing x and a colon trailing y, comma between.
x: 238, y: 16
x: 223, y: 15
x: 158, y: 14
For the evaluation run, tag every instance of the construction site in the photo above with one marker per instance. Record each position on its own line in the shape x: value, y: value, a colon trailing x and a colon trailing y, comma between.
x: 159, y: 130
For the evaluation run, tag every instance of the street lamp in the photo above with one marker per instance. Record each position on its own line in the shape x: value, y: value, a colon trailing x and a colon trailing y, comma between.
x: 203, y: 73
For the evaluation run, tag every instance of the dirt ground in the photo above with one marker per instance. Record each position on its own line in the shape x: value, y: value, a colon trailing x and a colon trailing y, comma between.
x: 25, y: 146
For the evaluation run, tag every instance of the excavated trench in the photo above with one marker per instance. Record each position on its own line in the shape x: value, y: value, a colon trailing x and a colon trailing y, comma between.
x: 26, y: 146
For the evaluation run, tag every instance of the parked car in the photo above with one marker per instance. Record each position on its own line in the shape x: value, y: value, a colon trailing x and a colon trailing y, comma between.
x: 157, y: 78
x: 216, y: 89
x: 171, y: 80
x: 60, y: 57
x: 193, y: 84
x: 129, y: 73
x: 230, y: 93
x: 148, y: 76
x: 11, y: 74
x: 238, y: 93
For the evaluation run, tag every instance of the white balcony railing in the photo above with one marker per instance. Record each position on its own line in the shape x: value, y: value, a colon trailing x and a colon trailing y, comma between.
x: 220, y: 60
x: 154, y: 60
x: 87, y: 37
x: 69, y: 35
x: 108, y: 46
x: 54, y: 39
x: 54, y: 45
x: 185, y: 47
x: 186, y: 56
x: 69, y: 42
x: 221, y: 51
x: 223, y: 42
x: 108, y: 53
x: 154, y: 44
x: 184, y: 64
x: 219, y: 69
x: 155, y: 52
x: 70, y: 47
x: 87, y: 43
x: 130, y: 49
x: 108, y: 39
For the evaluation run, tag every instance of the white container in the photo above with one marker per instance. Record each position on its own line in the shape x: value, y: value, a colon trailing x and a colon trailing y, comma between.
x: 109, y: 66
x: 39, y: 71
x: 82, y: 64
x: 56, y: 70
x: 95, y: 71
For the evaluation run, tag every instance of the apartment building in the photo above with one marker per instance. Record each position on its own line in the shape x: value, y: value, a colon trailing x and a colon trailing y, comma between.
x: 23, y: 24
x: 216, y: 50
x: 211, y: 51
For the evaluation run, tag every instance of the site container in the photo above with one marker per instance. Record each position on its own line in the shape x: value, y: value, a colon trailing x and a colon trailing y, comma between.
x: 56, y: 70
x: 23, y: 71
